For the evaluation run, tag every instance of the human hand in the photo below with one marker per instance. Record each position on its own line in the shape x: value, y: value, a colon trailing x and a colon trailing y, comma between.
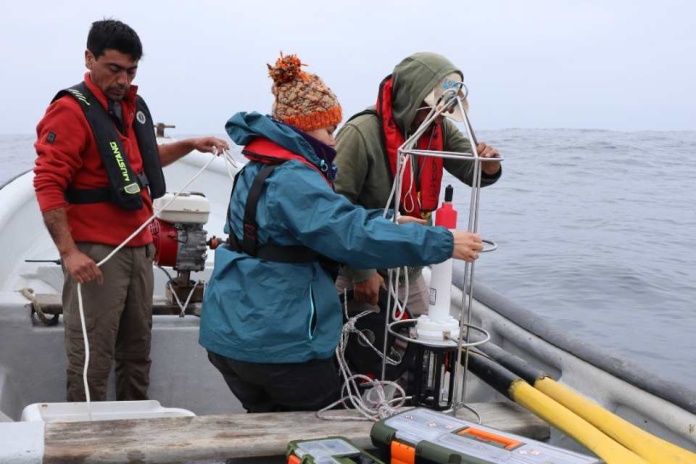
x: 487, y: 151
x: 210, y: 145
x: 367, y: 291
x: 466, y: 246
x: 81, y: 267
x: 403, y: 219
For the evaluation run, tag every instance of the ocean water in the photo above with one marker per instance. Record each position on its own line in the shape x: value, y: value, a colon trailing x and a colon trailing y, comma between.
x: 595, y: 231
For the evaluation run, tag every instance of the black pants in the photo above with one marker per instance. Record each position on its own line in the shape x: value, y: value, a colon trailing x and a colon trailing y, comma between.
x: 307, y: 386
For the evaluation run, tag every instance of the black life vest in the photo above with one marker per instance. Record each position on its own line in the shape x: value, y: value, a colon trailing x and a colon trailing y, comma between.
x: 125, y: 186
x: 272, y: 155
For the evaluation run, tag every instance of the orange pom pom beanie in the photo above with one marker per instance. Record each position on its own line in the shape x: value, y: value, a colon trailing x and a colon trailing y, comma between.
x: 302, y: 99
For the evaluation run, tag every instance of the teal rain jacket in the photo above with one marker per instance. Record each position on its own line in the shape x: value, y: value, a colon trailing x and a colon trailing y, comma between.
x: 269, y: 312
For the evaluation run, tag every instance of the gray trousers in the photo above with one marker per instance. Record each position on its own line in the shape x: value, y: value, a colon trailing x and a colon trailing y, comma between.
x: 118, y: 319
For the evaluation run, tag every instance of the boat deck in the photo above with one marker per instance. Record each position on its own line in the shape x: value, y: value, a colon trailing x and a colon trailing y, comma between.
x: 230, y: 436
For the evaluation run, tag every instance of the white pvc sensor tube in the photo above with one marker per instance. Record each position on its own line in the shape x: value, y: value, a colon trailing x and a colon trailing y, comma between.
x: 440, y: 291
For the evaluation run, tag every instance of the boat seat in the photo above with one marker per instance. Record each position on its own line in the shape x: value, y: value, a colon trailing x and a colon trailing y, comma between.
x: 183, y: 439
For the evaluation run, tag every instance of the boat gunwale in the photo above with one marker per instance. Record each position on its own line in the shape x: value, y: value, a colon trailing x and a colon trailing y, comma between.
x: 630, y: 371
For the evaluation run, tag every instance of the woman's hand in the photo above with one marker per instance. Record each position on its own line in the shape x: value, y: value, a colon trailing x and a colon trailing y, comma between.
x: 466, y: 246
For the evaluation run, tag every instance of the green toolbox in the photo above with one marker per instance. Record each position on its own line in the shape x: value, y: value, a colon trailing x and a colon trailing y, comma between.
x: 425, y: 436
x: 330, y: 450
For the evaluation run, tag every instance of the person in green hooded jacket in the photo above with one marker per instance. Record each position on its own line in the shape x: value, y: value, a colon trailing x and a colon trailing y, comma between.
x: 366, y: 149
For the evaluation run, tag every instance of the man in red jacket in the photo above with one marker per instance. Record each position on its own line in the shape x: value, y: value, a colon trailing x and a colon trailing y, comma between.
x: 97, y: 170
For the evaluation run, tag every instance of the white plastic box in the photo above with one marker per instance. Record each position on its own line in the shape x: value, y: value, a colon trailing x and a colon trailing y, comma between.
x: 101, y: 410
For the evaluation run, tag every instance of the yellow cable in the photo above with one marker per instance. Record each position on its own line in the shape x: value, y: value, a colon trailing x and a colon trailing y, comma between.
x: 648, y: 446
x: 572, y: 425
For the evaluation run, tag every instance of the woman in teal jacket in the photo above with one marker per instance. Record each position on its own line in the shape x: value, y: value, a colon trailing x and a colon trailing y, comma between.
x: 271, y: 317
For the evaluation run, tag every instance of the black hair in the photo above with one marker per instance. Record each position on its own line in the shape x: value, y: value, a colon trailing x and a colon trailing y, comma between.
x: 112, y: 34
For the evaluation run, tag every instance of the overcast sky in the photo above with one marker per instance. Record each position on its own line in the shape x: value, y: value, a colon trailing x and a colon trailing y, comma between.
x: 606, y: 64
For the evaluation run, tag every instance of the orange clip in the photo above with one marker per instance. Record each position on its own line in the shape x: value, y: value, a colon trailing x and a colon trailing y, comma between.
x: 401, y: 453
x: 506, y: 442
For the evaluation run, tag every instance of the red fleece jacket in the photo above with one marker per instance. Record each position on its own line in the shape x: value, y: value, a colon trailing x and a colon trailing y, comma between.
x: 70, y: 158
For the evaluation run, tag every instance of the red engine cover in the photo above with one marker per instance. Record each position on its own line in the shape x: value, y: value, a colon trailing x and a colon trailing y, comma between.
x: 166, y: 240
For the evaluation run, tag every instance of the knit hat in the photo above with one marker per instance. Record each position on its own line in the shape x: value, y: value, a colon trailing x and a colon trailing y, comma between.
x: 302, y: 99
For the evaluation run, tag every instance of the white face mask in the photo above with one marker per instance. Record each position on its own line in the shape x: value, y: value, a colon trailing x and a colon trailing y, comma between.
x: 447, y: 87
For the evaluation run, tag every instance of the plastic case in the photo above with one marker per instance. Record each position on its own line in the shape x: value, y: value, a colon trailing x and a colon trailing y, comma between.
x: 329, y: 450
x: 101, y: 410
x: 421, y: 435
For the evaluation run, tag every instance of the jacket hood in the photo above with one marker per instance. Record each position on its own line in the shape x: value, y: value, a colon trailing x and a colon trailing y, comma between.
x: 243, y: 127
x: 413, y: 79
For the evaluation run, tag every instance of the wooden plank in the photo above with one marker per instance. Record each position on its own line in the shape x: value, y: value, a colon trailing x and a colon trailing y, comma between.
x: 220, y: 437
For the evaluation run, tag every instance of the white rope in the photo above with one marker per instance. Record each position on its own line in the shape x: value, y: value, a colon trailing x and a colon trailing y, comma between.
x: 86, y: 341
x: 230, y: 163
x: 393, y: 192
x: 369, y: 407
x: 157, y: 211
x: 398, y: 305
x: 182, y: 308
x: 409, y: 201
x: 110, y: 255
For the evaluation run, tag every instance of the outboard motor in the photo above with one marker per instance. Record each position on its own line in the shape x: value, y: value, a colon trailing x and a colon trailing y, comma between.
x: 180, y: 242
